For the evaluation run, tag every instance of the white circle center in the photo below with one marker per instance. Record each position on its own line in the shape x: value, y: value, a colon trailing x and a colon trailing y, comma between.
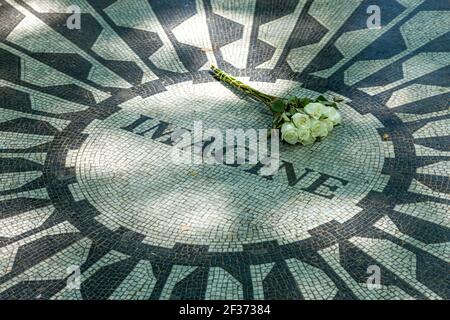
x: 130, y: 179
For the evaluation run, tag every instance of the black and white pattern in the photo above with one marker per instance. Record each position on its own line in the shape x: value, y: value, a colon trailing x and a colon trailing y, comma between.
x: 86, y: 183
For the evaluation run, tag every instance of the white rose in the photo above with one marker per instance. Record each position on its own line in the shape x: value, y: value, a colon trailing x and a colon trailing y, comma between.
x: 310, y: 140
x: 318, y: 129
x: 304, y: 134
x: 289, y: 133
x: 328, y: 123
x: 301, y: 120
x: 332, y: 114
x: 314, y: 109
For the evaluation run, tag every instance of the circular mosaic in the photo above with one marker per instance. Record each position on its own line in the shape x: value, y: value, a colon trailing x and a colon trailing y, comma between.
x: 92, y: 207
x: 127, y: 174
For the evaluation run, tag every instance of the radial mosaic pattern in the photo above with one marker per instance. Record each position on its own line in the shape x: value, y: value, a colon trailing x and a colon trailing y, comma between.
x: 87, y: 186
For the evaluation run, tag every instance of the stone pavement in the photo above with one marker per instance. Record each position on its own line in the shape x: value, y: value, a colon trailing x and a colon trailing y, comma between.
x: 91, y: 207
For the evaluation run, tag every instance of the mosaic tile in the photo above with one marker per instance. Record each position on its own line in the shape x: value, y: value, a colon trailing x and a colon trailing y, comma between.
x: 92, y: 207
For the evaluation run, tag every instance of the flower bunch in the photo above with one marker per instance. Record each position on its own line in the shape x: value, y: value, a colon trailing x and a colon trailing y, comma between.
x: 305, y: 120
x: 301, y: 120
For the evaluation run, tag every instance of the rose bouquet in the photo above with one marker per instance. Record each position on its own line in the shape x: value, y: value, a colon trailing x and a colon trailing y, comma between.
x: 301, y: 120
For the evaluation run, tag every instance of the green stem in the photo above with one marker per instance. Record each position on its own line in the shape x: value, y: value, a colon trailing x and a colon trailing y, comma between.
x: 222, y: 76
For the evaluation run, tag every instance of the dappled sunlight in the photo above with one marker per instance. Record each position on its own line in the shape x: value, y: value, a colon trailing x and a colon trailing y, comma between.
x: 136, y: 184
x: 136, y: 161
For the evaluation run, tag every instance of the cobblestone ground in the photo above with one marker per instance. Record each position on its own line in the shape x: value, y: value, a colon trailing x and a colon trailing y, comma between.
x: 92, y: 208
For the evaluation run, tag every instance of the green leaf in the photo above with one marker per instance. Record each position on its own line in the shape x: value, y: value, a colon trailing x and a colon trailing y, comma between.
x: 292, y: 110
x: 303, y: 102
x: 321, y: 98
x: 330, y: 104
x: 336, y: 99
x: 278, y: 106
x: 285, y: 117
x: 293, y: 100
x: 277, y: 119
